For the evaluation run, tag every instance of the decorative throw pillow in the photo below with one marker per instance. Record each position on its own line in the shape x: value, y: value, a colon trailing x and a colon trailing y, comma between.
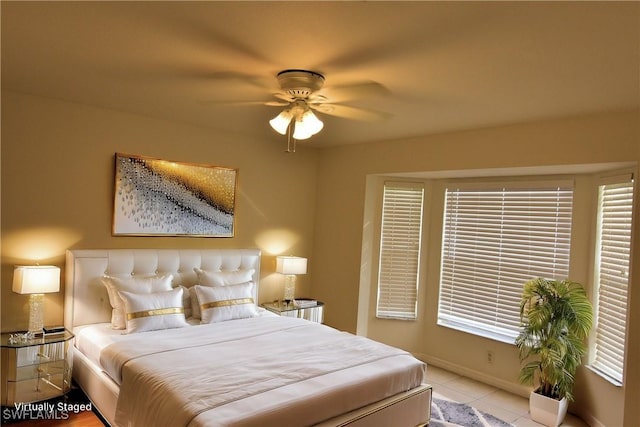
x: 220, y: 303
x: 217, y: 278
x: 150, y: 312
x: 223, y: 278
x: 139, y: 285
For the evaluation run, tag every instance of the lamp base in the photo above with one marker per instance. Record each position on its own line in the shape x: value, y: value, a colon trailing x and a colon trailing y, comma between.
x: 36, y: 309
x: 289, y: 288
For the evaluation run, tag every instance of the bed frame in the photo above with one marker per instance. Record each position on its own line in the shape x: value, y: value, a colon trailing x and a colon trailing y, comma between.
x: 87, y: 302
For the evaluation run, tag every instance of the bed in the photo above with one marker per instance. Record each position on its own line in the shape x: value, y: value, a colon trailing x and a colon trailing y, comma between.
x: 239, y: 366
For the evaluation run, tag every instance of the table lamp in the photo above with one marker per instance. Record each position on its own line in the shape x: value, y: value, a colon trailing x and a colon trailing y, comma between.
x: 36, y: 280
x: 290, y: 266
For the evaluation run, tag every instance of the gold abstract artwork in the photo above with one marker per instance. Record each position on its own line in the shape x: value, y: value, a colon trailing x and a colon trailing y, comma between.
x: 160, y: 197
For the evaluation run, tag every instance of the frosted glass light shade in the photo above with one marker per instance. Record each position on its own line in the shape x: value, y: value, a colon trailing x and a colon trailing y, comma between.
x: 280, y: 123
x: 291, y: 265
x: 307, y: 126
x: 36, y: 279
x: 300, y: 132
x: 312, y: 122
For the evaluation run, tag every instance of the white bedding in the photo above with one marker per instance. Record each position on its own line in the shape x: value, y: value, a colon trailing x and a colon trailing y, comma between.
x: 91, y: 339
x: 262, y: 371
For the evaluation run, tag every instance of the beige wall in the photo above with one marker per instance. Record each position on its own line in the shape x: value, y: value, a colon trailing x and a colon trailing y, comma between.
x: 340, y: 261
x: 57, y: 190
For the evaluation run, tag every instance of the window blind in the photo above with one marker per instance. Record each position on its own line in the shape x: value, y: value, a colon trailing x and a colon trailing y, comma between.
x: 399, y: 262
x: 495, y: 238
x: 613, y: 249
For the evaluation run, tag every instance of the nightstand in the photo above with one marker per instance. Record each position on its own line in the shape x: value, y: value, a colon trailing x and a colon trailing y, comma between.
x: 303, y: 308
x: 35, y: 369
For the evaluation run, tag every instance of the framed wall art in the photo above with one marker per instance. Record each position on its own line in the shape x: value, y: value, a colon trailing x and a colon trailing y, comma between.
x: 156, y: 197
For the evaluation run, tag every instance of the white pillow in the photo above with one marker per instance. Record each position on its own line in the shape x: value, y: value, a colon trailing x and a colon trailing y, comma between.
x: 150, y: 312
x: 223, y: 278
x: 220, y: 303
x: 139, y: 285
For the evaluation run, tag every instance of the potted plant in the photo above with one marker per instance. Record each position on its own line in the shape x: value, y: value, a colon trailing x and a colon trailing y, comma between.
x: 556, y: 317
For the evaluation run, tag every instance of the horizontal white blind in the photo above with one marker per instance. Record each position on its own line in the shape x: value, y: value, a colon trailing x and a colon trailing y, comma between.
x: 399, y: 262
x: 612, y: 273
x: 494, y: 240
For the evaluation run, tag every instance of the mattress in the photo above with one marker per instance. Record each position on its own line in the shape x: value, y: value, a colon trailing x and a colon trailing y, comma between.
x: 263, y: 371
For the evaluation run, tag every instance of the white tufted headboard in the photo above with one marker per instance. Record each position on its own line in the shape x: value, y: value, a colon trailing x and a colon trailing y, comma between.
x: 86, y: 299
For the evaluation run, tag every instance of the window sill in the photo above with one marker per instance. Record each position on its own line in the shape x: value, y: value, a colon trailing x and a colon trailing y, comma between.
x: 492, y: 335
x: 605, y: 376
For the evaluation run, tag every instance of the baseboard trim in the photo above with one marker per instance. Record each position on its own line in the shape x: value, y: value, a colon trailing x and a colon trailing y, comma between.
x: 591, y: 420
x: 510, y: 387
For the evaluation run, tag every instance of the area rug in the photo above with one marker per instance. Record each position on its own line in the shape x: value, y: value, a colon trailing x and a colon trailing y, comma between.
x: 446, y: 413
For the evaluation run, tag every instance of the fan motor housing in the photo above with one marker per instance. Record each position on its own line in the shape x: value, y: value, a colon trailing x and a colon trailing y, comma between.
x: 300, y: 83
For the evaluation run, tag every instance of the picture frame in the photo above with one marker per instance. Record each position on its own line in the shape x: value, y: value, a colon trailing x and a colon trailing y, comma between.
x: 154, y: 197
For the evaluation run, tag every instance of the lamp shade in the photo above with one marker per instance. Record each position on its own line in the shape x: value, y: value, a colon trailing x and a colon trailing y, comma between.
x: 291, y: 265
x: 37, y: 279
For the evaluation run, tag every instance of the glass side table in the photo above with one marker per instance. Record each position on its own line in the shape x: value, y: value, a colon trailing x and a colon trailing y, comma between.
x: 35, y: 369
x: 302, y: 308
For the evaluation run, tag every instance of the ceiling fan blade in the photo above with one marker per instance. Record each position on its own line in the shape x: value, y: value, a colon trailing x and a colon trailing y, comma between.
x: 233, y: 76
x: 347, y: 112
x: 317, y: 98
x: 198, y: 33
x: 365, y: 55
x: 284, y: 96
x: 242, y: 103
x: 276, y: 104
x: 357, y: 90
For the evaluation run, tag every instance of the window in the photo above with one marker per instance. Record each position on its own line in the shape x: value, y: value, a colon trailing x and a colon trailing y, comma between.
x: 613, y: 247
x: 400, y: 250
x: 495, y: 238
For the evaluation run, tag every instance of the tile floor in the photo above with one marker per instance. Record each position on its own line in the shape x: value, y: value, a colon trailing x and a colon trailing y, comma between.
x: 506, y: 406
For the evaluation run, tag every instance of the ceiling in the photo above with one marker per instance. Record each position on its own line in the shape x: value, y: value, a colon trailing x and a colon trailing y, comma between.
x: 440, y: 66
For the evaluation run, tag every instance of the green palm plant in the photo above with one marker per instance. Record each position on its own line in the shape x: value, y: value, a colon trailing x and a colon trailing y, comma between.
x: 556, y: 318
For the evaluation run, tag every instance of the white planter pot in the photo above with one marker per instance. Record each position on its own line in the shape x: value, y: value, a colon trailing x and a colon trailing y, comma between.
x: 547, y: 411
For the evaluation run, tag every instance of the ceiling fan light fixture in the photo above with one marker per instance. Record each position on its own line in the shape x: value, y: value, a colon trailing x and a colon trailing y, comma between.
x: 297, y: 86
x: 280, y: 123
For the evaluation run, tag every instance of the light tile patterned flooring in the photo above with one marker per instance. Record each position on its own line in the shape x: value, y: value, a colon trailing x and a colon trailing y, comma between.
x: 506, y: 406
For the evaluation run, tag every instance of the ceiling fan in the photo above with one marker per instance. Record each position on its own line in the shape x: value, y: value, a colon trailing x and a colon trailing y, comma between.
x: 299, y: 94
